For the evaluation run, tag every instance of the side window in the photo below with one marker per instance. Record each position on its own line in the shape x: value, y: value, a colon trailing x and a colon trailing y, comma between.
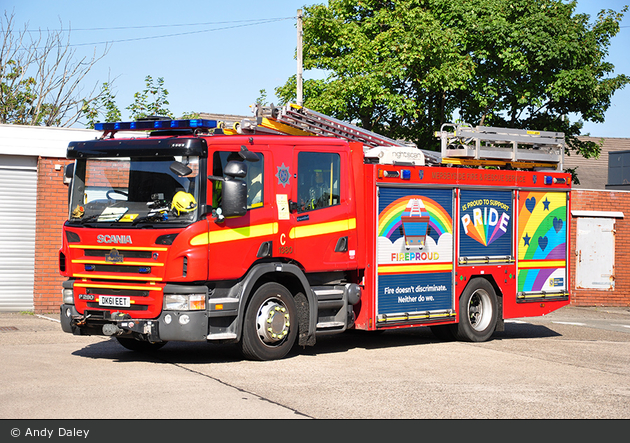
x: 318, y: 180
x: 254, y: 179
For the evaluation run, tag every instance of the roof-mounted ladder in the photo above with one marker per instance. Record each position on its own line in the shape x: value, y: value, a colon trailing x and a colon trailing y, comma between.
x: 301, y: 118
x: 489, y: 146
x: 298, y: 120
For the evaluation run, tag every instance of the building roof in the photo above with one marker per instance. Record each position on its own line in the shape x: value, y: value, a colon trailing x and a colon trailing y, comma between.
x: 593, y: 173
x: 45, y: 141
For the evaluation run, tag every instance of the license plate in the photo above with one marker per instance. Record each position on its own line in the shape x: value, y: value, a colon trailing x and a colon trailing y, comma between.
x: 118, y: 302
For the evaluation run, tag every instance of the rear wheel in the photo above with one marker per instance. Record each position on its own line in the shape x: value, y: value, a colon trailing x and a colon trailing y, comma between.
x: 477, y: 311
x: 137, y: 345
x: 271, y: 323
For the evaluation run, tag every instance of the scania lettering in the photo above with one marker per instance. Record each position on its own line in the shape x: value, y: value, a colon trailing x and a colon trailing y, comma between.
x: 272, y: 231
x: 114, y: 239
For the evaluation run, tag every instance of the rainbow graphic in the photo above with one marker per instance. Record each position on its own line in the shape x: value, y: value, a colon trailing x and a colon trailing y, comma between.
x: 390, y: 222
x: 542, y: 237
x: 542, y: 226
x: 486, y: 224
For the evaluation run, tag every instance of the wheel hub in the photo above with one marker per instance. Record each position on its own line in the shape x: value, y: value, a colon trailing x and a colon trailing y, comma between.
x: 273, y: 321
x: 479, y: 319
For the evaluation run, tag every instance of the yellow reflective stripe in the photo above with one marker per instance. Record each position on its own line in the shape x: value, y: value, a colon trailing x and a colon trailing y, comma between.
x: 119, y: 248
x: 140, y: 288
x: 322, y: 228
x: 198, y: 240
x: 533, y: 264
x: 116, y: 277
x: 403, y: 269
x: 407, y: 317
x: 226, y: 235
x: 546, y: 295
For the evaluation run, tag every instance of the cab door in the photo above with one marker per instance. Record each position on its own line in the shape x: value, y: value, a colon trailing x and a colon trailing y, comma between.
x: 235, y: 243
x: 324, y: 221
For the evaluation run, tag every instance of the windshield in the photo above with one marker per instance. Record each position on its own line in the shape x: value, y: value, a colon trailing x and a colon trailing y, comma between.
x: 129, y: 191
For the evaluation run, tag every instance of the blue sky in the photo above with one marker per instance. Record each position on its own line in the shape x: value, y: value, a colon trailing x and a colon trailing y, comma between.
x: 221, y: 54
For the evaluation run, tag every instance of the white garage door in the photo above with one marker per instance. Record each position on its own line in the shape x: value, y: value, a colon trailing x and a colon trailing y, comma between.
x: 18, y: 200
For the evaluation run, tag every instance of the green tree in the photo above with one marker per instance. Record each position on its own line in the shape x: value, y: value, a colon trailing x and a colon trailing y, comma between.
x: 151, y: 101
x: 105, y: 104
x: 403, y: 68
x: 262, y: 98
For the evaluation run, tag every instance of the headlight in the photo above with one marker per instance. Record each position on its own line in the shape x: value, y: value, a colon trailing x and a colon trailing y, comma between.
x: 188, y: 302
x: 68, y: 296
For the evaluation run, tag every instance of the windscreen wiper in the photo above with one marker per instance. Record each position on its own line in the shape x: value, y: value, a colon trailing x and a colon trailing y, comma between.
x: 91, y: 218
x: 156, y: 215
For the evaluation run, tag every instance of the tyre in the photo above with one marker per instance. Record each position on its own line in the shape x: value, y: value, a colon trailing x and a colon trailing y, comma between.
x: 270, y: 325
x: 477, y: 311
x: 140, y: 346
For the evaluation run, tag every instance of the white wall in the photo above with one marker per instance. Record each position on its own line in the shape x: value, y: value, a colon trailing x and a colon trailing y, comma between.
x: 42, y: 141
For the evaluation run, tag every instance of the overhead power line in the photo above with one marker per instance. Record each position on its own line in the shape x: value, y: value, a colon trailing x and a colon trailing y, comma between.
x: 237, y: 24
x: 118, y: 28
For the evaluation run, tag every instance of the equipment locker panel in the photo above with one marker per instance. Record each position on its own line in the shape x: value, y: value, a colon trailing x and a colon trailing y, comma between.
x: 485, y: 228
x: 414, y: 254
x: 542, y: 245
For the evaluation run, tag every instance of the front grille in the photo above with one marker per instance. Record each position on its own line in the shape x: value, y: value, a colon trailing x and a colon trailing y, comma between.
x: 119, y: 269
x: 117, y: 292
x: 126, y: 254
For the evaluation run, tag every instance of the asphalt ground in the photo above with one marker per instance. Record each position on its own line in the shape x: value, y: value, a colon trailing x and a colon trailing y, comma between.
x: 571, y: 364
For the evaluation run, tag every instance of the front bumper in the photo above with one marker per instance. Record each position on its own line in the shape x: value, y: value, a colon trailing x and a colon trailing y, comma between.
x: 169, y: 326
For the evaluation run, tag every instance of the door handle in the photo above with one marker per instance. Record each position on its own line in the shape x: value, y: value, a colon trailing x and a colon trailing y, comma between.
x: 342, y: 245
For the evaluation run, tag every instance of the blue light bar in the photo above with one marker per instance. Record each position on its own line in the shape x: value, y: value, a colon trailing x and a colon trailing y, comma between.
x: 156, y: 125
x: 551, y: 180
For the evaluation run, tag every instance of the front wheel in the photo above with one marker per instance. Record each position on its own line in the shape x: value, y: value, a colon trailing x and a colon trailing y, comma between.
x: 477, y: 311
x: 271, y: 323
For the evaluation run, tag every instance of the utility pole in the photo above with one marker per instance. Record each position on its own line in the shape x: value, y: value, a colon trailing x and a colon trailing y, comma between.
x: 300, y: 100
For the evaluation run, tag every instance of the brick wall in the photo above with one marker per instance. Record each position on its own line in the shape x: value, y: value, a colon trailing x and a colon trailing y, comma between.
x: 108, y: 173
x: 609, y: 201
x: 52, y: 211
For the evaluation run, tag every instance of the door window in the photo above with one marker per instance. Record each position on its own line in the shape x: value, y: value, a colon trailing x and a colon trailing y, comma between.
x: 318, y: 180
x: 254, y: 178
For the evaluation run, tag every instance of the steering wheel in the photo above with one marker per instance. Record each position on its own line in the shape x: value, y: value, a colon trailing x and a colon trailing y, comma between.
x: 115, y: 191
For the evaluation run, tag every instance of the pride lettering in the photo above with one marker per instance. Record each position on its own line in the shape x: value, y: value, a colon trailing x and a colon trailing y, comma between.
x: 415, y: 256
x: 487, y: 217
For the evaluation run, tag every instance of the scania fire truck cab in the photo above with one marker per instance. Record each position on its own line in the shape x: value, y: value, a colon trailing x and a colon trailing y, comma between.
x: 271, y: 233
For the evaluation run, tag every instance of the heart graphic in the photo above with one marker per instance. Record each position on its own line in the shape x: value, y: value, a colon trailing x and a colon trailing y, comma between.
x: 557, y: 224
x: 530, y: 204
x: 543, y: 242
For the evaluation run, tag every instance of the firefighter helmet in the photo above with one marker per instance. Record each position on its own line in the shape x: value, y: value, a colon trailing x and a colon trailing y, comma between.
x: 183, y: 202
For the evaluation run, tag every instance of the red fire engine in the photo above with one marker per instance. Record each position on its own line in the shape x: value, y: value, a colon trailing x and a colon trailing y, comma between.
x: 271, y: 231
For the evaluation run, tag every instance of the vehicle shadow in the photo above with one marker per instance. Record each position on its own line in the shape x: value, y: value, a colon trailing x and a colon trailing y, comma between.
x: 411, y: 337
x: 204, y: 353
